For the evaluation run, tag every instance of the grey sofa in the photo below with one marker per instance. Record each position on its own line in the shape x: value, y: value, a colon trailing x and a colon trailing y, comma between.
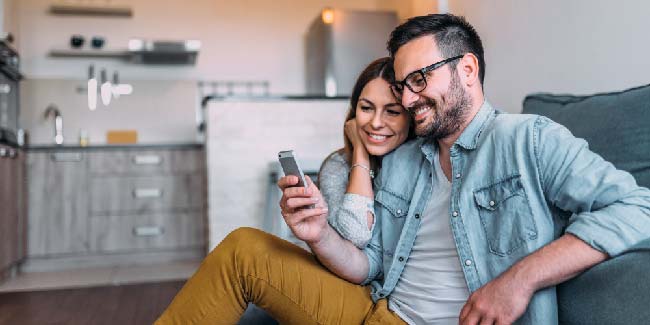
x: 616, y: 126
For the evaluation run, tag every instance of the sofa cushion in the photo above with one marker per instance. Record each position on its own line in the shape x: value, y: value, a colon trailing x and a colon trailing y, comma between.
x: 616, y: 291
x: 616, y: 125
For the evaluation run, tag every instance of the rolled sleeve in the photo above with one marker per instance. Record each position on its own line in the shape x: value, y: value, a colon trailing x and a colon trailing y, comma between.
x: 610, y: 211
x: 351, y: 220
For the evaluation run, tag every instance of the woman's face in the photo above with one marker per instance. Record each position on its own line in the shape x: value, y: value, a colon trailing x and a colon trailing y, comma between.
x: 382, y: 122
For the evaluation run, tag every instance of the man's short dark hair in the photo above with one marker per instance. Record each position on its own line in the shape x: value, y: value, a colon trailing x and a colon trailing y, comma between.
x: 453, y: 34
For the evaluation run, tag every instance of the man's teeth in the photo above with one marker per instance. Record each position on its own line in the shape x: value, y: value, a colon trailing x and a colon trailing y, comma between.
x: 422, y: 110
x: 378, y: 137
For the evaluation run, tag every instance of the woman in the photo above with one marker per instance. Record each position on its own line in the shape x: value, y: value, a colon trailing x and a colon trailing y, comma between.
x: 250, y: 266
x: 375, y: 125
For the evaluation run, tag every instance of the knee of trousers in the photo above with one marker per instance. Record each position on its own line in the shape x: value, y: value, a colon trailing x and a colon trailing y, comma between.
x: 242, y: 244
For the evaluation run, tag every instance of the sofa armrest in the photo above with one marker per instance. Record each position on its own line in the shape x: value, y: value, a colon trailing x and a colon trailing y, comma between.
x: 616, y: 291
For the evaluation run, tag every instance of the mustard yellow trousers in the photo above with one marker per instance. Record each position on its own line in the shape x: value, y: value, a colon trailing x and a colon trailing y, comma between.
x: 252, y: 266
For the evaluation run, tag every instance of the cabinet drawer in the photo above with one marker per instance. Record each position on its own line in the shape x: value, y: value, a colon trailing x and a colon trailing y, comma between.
x: 142, y: 232
x: 109, y: 195
x: 146, y: 162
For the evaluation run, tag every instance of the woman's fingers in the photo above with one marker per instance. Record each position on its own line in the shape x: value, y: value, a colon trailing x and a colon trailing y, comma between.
x: 295, y: 203
x: 300, y: 215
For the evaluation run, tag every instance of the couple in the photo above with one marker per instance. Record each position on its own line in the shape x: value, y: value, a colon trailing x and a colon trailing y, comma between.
x: 473, y: 222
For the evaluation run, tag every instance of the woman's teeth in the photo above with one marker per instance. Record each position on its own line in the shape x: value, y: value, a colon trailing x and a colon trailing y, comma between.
x: 378, y: 137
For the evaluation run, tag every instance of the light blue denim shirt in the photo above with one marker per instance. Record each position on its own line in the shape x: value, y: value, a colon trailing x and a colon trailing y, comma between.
x: 518, y: 182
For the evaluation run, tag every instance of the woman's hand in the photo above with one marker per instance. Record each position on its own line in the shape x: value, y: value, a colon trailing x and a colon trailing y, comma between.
x: 304, y: 209
x: 352, y: 133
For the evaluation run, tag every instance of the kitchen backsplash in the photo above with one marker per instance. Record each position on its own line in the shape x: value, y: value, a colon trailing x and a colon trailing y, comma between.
x: 160, y: 111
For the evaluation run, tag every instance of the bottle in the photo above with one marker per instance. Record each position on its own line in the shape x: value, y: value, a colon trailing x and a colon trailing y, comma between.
x: 83, y: 138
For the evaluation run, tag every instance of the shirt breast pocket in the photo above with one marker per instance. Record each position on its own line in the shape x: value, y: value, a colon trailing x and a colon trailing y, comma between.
x: 505, y: 215
x: 394, y: 204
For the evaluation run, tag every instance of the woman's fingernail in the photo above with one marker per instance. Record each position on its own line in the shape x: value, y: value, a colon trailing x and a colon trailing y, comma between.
x: 315, y: 199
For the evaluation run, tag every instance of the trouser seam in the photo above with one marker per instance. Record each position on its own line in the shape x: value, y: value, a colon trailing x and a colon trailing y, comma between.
x: 289, y: 298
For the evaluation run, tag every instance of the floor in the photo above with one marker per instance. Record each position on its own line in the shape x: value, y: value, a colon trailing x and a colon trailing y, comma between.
x: 105, y: 276
x: 123, y: 304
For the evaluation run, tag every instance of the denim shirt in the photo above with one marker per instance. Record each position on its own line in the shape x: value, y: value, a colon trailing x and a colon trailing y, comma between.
x: 518, y: 183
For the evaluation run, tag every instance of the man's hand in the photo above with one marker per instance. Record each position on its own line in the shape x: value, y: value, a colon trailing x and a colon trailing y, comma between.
x: 307, y: 223
x: 500, y: 301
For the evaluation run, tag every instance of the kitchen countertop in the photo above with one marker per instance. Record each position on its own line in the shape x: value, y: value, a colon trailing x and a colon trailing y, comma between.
x: 137, y: 146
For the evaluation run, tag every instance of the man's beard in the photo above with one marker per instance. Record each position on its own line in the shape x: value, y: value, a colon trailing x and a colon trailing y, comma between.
x: 448, y: 119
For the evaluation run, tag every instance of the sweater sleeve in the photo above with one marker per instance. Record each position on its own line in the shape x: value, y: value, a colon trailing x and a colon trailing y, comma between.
x: 347, y: 211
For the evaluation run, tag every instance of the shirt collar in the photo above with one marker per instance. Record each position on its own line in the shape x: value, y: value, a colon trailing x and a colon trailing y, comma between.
x: 469, y: 138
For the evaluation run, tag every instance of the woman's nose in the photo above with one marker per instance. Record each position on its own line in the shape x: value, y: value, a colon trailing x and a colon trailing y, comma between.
x: 377, y: 121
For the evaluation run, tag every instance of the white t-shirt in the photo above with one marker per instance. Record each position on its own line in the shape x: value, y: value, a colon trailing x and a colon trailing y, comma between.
x: 432, y: 287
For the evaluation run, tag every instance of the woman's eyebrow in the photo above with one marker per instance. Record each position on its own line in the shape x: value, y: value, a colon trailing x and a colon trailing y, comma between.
x: 392, y: 105
x: 367, y: 101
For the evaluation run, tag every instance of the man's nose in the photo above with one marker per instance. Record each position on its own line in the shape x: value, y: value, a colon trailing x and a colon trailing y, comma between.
x: 409, y: 98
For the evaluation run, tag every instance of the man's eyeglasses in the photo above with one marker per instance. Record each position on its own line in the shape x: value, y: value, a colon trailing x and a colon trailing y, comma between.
x: 416, y: 81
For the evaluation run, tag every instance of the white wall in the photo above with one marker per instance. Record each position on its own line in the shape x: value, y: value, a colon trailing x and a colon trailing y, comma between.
x: 162, y: 111
x: 242, y: 40
x: 244, y: 137
x: 560, y: 46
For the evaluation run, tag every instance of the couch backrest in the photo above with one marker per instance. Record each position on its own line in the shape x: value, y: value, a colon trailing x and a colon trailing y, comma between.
x: 616, y: 125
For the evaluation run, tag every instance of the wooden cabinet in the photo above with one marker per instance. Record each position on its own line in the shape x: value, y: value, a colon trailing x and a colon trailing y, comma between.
x: 11, y: 219
x: 58, y: 214
x: 104, y: 205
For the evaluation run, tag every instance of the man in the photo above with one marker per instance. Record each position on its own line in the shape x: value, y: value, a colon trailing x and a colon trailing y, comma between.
x: 476, y: 221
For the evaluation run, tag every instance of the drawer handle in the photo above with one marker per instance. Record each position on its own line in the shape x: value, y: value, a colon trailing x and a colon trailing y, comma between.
x: 147, y: 193
x: 148, y: 231
x: 66, y: 157
x: 147, y: 160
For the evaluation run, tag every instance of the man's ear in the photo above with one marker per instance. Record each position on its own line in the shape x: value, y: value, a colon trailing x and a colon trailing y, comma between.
x: 468, y: 69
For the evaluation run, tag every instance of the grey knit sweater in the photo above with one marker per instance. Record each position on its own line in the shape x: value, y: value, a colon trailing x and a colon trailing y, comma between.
x: 347, y: 211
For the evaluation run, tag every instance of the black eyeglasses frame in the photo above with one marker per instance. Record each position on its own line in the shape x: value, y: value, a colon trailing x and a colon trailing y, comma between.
x: 398, y: 86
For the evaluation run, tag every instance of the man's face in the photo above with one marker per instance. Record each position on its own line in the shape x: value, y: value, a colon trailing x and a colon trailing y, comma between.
x: 439, y: 110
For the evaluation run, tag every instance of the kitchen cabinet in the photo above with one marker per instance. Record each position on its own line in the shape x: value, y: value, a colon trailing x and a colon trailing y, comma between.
x: 105, y: 205
x: 11, y: 207
x: 58, y: 201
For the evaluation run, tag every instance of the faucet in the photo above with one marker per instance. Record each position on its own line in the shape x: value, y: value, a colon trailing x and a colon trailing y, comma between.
x: 58, y: 122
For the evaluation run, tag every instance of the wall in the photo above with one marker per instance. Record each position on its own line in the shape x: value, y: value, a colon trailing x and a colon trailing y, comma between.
x: 577, y: 46
x: 242, y: 40
x: 245, y: 137
x: 162, y: 111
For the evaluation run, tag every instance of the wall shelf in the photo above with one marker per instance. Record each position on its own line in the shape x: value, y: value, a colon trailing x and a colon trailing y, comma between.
x: 93, y: 54
x: 88, y: 10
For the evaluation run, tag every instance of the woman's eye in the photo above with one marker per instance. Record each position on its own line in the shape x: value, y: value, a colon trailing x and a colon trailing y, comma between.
x: 393, y: 112
x: 366, y: 108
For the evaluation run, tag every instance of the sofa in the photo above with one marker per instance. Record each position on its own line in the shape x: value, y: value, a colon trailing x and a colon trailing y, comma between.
x: 617, y: 126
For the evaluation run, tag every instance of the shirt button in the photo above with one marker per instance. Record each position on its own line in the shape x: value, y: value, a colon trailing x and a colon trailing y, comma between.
x: 455, y: 214
x: 401, y: 259
x: 468, y: 262
x: 381, y: 295
x: 492, y: 203
x: 399, y: 211
x: 458, y: 175
x: 417, y: 216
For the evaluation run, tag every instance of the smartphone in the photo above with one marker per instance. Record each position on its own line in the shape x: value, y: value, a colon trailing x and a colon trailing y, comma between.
x: 290, y: 166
